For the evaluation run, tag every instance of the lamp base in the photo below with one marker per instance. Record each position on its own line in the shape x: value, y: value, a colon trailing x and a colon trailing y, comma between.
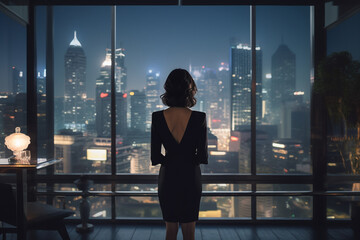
x: 13, y: 160
x: 84, y: 229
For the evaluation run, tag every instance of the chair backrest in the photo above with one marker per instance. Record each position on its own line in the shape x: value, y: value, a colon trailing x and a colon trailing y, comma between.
x: 7, y: 204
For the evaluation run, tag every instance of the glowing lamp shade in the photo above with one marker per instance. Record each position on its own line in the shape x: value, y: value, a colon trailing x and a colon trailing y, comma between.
x: 17, y: 141
x: 96, y: 154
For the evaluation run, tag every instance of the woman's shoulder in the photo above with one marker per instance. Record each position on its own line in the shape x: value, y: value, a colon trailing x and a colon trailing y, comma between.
x: 157, y: 114
x: 199, y: 114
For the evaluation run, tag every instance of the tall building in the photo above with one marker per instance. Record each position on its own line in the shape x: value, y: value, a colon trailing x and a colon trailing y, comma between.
x: 224, y: 95
x: 103, y: 114
x: 283, y: 80
x: 152, y: 92
x: 120, y: 69
x: 198, y: 74
x: 103, y: 95
x: 75, y: 86
x: 241, y: 85
x: 41, y: 113
x: 41, y: 83
x: 18, y: 81
x: 136, y: 110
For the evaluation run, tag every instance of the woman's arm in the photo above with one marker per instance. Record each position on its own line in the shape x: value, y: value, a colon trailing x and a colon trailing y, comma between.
x: 156, y: 156
x: 202, y: 146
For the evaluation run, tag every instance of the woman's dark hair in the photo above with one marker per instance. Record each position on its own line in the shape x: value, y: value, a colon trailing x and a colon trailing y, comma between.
x: 180, y: 89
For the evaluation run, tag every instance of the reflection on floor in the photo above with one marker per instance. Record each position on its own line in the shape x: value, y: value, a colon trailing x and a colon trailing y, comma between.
x: 203, y: 232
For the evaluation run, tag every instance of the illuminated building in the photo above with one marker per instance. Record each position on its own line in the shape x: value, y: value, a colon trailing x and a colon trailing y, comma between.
x: 224, y: 96
x: 198, y: 74
x: 75, y: 86
x: 152, y: 92
x: 58, y: 114
x: 222, y: 162
x: 140, y: 163
x: 18, y: 81
x: 120, y: 69
x: 103, y: 96
x: 283, y: 80
x: 137, y: 110
x: 241, y: 85
x: 70, y: 148
x: 103, y: 114
x: 288, y: 155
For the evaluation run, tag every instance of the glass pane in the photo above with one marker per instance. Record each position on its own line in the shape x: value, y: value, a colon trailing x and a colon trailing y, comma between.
x: 13, y: 80
x: 338, y: 207
x: 41, y: 187
x: 283, y: 90
x: 81, y: 38
x: 216, y: 187
x: 355, y: 187
x: 100, y: 207
x: 225, y: 207
x: 343, y: 140
x: 284, y: 207
x: 149, y: 48
x: 284, y: 187
x: 136, y: 187
x: 144, y: 207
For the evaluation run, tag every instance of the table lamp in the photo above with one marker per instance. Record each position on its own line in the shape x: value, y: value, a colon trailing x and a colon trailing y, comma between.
x: 17, y: 142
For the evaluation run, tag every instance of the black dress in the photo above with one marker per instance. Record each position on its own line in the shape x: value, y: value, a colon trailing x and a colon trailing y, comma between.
x: 179, y: 182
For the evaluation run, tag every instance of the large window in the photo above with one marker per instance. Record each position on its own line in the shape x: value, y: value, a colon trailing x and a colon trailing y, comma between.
x: 81, y: 79
x: 166, y: 38
x: 214, y: 44
x: 343, y: 139
x: 283, y: 90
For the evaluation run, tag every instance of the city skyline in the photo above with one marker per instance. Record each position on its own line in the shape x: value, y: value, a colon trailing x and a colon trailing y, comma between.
x: 147, y: 48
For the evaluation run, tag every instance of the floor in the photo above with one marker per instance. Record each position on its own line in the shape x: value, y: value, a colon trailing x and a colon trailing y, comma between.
x: 203, y: 232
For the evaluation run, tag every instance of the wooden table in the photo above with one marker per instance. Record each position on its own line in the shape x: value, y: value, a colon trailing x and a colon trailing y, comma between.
x: 20, y: 169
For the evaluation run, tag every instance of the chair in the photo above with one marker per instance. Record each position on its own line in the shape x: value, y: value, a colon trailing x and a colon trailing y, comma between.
x: 37, y: 216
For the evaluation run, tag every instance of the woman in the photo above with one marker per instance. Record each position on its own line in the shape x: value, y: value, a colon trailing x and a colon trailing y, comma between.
x: 183, y: 133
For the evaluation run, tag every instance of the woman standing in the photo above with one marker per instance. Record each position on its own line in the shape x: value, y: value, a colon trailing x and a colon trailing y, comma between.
x: 183, y: 133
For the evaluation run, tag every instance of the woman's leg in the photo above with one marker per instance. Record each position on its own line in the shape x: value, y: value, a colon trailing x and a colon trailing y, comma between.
x: 171, y: 230
x: 188, y: 230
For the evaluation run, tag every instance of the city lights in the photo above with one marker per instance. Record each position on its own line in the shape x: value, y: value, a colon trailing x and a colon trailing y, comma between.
x: 278, y: 145
x: 217, y: 153
x: 96, y: 154
x: 104, y: 95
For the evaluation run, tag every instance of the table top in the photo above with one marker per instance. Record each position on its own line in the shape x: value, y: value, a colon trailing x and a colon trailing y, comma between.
x: 33, y: 163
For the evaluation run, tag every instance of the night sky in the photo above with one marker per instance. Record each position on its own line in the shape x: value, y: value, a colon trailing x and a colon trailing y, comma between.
x: 162, y: 38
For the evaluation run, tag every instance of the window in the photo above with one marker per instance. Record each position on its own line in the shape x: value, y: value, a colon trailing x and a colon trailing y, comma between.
x: 213, y: 44
x: 13, y: 79
x: 283, y: 90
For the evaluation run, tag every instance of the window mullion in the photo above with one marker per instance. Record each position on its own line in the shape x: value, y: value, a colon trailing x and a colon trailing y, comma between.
x: 253, y: 105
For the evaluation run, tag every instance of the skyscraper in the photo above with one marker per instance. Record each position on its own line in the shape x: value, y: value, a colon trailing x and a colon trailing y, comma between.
x: 241, y: 85
x: 18, y: 81
x: 224, y: 94
x: 103, y: 114
x: 120, y: 70
x: 136, y: 110
x: 152, y: 92
x: 75, y: 86
x: 198, y: 74
x: 283, y: 80
x: 103, y: 91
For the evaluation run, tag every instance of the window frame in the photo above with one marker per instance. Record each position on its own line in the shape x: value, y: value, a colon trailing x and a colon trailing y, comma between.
x: 318, y: 118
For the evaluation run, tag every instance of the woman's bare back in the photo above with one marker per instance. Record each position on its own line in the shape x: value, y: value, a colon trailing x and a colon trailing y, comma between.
x: 177, y: 119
